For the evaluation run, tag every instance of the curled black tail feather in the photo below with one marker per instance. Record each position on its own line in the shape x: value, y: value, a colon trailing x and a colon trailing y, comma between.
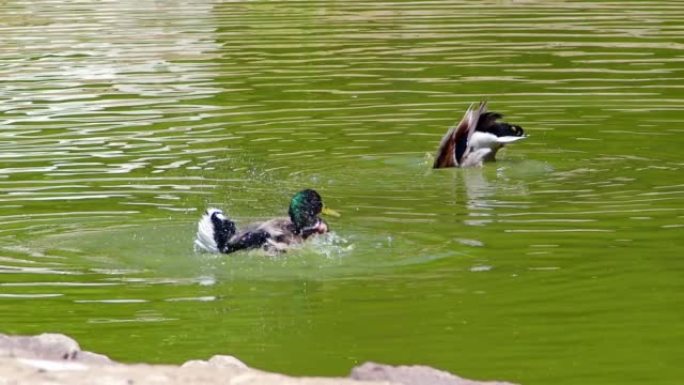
x: 224, y: 229
x: 488, y: 123
x: 517, y: 130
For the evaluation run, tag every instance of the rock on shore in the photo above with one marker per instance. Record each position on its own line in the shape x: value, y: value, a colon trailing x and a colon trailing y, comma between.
x: 55, y: 359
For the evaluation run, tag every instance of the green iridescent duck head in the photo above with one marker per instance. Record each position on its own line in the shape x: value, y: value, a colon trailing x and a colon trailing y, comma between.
x: 305, y: 207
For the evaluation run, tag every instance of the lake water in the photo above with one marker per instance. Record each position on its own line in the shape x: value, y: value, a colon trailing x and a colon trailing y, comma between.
x: 121, y: 121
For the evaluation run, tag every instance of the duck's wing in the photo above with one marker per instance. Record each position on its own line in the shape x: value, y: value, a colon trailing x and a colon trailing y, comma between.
x: 281, y: 230
x: 453, y: 149
x: 247, y: 240
x: 257, y: 235
x: 275, y: 227
x: 281, y: 235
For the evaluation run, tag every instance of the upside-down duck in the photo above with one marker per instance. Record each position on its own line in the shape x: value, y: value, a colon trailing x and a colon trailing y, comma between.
x: 475, y: 139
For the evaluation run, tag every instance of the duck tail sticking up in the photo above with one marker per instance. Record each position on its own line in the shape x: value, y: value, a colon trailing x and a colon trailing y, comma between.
x: 504, y: 132
x: 214, y: 230
x: 476, y: 138
x: 454, y: 149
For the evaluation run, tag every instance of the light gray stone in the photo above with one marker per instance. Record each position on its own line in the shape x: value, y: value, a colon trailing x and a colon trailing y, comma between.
x: 47, y: 346
x: 55, y: 359
x: 412, y: 375
x: 15, y: 372
x: 221, y: 360
x: 216, y: 361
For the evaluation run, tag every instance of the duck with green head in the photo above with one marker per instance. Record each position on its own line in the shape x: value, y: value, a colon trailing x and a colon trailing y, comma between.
x: 217, y: 233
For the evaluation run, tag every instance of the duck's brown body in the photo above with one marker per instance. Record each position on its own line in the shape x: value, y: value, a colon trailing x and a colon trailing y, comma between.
x: 281, y: 233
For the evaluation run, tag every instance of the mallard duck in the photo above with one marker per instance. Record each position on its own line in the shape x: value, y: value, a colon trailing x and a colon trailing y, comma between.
x: 217, y: 233
x: 475, y: 139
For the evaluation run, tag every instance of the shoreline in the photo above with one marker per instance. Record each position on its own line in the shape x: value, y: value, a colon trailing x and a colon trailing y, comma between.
x: 56, y: 359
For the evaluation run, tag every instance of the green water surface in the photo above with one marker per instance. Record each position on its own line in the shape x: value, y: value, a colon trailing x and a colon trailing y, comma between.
x: 121, y: 121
